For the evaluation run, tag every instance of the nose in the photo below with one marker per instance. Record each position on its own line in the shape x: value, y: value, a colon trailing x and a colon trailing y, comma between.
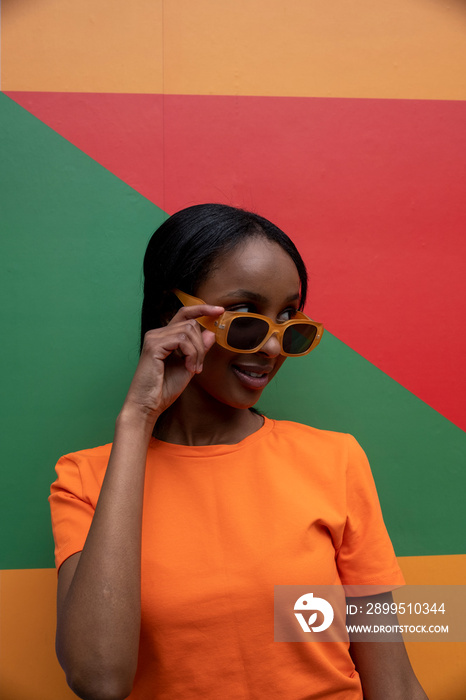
x: 272, y: 347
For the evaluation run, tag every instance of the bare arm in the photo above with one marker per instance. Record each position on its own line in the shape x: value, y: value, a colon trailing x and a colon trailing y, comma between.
x: 384, y: 667
x: 385, y: 671
x: 98, y: 604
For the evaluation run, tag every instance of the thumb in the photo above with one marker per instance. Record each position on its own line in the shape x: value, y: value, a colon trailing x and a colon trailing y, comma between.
x: 208, y: 338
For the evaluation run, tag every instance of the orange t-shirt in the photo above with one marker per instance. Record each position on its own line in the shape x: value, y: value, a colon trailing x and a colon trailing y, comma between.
x: 223, y: 525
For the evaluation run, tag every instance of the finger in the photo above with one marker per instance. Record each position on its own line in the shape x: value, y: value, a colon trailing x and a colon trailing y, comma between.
x: 202, y: 342
x: 208, y: 339
x: 182, y: 339
x: 191, y: 313
x: 193, y: 352
x: 188, y: 312
x: 190, y: 343
x: 193, y: 332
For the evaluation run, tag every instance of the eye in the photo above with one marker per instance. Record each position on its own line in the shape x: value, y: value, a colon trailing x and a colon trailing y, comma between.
x: 286, y: 315
x: 242, y: 309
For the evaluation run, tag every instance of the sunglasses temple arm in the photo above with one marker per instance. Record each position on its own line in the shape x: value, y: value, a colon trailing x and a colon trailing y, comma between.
x: 207, y: 322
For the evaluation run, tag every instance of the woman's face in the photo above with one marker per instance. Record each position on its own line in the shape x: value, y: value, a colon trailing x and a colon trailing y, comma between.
x: 258, y: 277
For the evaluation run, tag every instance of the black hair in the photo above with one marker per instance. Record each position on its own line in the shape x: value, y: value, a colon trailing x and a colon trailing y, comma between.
x: 183, y: 251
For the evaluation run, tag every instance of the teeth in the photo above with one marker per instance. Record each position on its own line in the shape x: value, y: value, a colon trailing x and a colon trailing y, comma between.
x: 252, y: 374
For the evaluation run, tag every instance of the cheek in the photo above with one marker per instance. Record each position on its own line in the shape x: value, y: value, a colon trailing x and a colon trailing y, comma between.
x: 217, y: 360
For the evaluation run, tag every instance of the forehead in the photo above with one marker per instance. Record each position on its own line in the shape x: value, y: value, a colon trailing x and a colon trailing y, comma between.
x: 259, y: 265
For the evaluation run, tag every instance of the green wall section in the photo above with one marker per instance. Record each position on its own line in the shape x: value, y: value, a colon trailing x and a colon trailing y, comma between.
x: 73, y: 238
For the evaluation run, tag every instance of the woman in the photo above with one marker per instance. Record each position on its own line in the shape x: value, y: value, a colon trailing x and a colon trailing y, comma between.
x: 169, y: 541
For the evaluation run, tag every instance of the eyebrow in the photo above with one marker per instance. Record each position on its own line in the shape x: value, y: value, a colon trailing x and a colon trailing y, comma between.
x: 253, y: 296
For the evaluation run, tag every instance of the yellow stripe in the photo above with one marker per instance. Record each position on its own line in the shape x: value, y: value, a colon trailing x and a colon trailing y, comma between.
x: 89, y: 46
x: 28, y: 666
x: 398, y: 49
x: 438, y: 665
x: 442, y: 570
x: 29, y: 669
x: 370, y: 48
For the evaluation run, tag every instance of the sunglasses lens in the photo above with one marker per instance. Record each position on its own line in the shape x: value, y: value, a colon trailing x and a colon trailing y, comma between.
x: 298, y: 338
x: 247, y: 333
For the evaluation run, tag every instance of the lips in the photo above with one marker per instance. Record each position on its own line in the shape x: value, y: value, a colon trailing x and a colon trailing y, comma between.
x: 252, y: 376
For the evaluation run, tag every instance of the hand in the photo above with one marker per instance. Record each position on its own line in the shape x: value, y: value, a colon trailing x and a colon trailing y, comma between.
x: 170, y: 357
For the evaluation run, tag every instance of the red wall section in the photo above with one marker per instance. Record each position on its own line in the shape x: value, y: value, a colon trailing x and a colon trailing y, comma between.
x: 372, y: 191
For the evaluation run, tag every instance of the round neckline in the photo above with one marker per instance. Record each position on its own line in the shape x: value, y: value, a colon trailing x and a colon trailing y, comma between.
x: 212, y: 450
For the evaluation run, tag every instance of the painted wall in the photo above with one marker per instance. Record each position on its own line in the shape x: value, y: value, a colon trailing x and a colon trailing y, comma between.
x: 342, y: 123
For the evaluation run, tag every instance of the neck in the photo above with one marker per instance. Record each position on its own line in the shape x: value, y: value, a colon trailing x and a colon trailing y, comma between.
x: 191, y: 422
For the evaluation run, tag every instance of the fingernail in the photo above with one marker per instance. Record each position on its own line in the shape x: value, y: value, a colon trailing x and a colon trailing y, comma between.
x: 199, y: 369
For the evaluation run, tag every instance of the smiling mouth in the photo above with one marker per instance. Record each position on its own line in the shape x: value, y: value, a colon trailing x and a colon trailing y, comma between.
x: 252, y: 378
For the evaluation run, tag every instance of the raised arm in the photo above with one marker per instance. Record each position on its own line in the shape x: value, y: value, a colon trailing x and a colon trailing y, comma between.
x: 99, y: 589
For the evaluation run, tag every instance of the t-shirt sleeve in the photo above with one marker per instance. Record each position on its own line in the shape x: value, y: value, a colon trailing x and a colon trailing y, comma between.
x: 71, y: 511
x: 366, y: 556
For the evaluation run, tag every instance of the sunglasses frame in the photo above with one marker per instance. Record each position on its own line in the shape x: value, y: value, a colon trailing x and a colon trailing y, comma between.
x: 221, y: 326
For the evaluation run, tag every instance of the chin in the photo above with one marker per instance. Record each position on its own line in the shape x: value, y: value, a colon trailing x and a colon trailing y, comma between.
x: 239, y: 402
x: 232, y: 395
x: 246, y: 405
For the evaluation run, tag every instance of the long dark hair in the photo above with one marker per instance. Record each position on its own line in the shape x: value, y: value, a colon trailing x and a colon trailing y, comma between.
x: 184, y: 248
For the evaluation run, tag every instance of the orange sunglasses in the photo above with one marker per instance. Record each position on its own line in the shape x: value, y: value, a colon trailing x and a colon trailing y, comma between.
x: 247, y: 332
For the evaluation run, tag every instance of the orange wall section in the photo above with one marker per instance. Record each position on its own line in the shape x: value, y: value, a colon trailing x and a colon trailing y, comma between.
x: 64, y: 46
x: 410, y: 49
x: 402, y: 49
x: 29, y: 669
x: 438, y: 665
